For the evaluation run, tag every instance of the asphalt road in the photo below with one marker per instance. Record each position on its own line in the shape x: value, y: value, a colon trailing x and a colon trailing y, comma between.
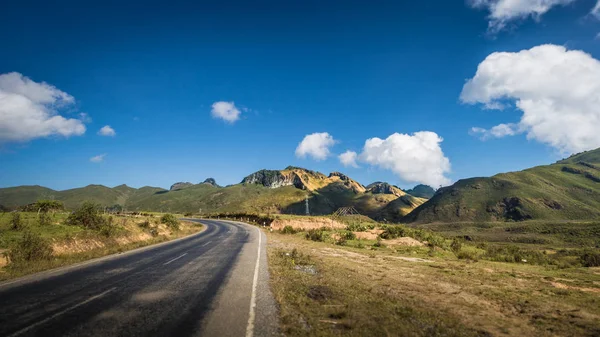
x: 214, y: 283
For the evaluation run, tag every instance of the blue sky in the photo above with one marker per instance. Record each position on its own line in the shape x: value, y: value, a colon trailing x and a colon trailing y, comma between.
x: 354, y: 70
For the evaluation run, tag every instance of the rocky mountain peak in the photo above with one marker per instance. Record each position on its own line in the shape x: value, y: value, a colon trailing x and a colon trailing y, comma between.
x: 384, y: 188
x: 211, y: 181
x: 180, y: 185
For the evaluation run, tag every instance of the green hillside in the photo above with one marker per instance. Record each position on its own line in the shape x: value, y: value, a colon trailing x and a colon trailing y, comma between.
x: 566, y: 190
x: 265, y: 191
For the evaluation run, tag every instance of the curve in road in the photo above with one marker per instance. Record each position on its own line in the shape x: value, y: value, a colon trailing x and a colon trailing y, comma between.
x: 214, y: 283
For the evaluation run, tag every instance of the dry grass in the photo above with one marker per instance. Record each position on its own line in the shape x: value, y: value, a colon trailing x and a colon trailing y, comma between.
x: 407, y: 292
x: 306, y: 223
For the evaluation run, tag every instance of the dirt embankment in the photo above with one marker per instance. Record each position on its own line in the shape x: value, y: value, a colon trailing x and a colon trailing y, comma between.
x: 307, y: 223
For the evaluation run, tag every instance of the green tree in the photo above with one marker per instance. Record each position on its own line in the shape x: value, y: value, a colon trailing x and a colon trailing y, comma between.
x: 88, y: 216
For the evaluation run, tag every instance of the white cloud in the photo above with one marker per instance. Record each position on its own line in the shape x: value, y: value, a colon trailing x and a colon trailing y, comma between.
x: 29, y: 110
x: 556, y: 89
x: 315, y: 145
x: 98, y: 159
x: 348, y: 158
x: 498, y: 131
x: 107, y: 131
x: 502, y: 12
x: 226, y: 111
x: 85, y: 118
x: 416, y: 158
x: 596, y: 11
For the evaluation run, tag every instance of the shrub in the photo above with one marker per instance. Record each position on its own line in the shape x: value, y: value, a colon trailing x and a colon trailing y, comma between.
x: 288, y: 230
x: 590, y: 258
x: 154, y: 231
x: 171, y: 221
x: 378, y: 243
x: 348, y: 235
x: 87, y: 215
x: 15, y: 222
x: 188, y: 214
x: 456, y: 246
x: 392, y: 232
x: 315, y: 235
x: 31, y: 247
x: 44, y: 219
x: 467, y: 255
x: 144, y: 224
x: 356, y: 227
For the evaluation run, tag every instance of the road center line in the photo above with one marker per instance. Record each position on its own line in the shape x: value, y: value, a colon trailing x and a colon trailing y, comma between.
x: 206, y: 243
x: 177, y: 258
x: 60, y: 313
x: 251, y: 316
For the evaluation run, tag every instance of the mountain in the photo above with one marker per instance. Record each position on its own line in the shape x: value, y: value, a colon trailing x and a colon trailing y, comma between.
x: 264, y: 191
x: 422, y: 191
x: 384, y: 188
x: 180, y: 185
x: 566, y: 190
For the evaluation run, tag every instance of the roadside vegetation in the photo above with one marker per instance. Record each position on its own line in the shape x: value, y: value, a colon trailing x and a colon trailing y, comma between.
x: 374, y: 279
x: 44, y: 236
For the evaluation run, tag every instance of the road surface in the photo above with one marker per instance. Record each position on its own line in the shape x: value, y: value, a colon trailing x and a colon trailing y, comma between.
x: 214, y: 283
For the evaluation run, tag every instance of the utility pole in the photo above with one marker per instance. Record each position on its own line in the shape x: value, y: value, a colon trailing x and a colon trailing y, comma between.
x: 307, y: 208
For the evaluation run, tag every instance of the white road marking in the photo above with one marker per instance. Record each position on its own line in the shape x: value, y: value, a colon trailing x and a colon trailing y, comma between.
x: 177, y: 258
x: 61, y: 312
x: 251, y: 316
x: 206, y: 243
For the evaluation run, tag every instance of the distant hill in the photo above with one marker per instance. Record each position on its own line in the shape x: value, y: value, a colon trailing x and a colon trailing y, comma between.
x: 265, y: 191
x: 566, y: 190
x: 422, y: 191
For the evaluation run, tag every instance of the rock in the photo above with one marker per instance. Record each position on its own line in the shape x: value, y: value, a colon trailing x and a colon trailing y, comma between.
x: 384, y: 188
x: 180, y: 185
x: 211, y: 181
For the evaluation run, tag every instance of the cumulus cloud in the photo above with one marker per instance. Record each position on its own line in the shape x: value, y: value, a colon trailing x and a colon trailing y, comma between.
x: 416, y: 158
x: 503, y: 12
x: 107, y: 131
x: 315, y: 145
x: 226, y: 111
x: 349, y: 158
x: 30, y: 110
x: 98, y: 159
x: 556, y: 89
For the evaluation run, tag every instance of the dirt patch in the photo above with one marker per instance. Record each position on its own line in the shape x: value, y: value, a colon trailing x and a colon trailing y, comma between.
x: 404, y: 241
x: 307, y: 224
x: 3, y: 259
x: 76, y: 246
x: 368, y: 235
x: 564, y: 286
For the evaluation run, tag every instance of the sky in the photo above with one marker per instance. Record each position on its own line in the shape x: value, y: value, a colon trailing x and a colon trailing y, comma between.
x: 406, y: 92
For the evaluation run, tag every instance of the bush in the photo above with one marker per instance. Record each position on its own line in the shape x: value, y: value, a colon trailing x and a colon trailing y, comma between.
x: 88, y: 216
x: 456, y: 246
x: 44, y: 219
x: 378, y: 244
x: 188, y: 214
x: 392, y: 232
x: 590, y: 258
x: 144, y: 224
x: 15, y: 222
x: 154, y: 231
x: 31, y: 247
x: 171, y: 221
x: 467, y: 255
x: 356, y: 227
x: 288, y: 230
x: 315, y: 235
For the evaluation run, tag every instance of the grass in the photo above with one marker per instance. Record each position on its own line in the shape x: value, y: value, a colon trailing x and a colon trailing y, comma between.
x: 567, y: 190
x: 329, y: 290
x: 72, y: 243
